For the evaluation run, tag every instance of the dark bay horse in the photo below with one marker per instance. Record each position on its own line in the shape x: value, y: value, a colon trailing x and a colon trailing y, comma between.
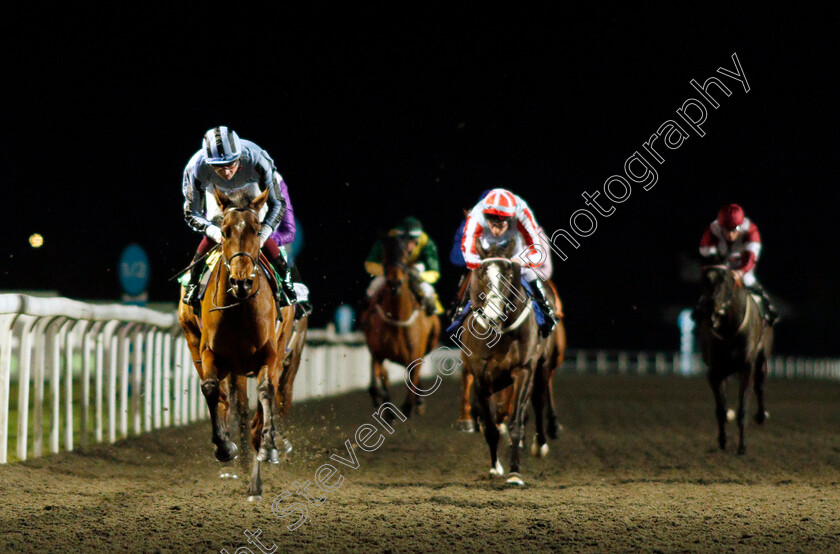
x: 237, y: 334
x: 734, y: 341
x: 552, y: 351
x: 500, y: 349
x: 396, y: 326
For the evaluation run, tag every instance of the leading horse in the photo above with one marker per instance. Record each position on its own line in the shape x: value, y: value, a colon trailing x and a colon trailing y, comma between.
x: 396, y: 326
x: 237, y: 334
x: 734, y: 341
x: 500, y: 349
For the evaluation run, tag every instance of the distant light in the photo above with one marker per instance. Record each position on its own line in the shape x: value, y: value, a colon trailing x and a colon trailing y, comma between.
x: 36, y: 241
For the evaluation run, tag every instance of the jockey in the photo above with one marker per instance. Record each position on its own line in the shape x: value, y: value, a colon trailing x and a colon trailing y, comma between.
x: 732, y: 238
x: 422, y: 258
x: 499, y: 217
x: 241, y: 170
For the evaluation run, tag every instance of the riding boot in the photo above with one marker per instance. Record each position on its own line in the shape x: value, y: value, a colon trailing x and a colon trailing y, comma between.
x: 191, y: 290
x: 541, y: 297
x: 771, y: 315
x: 285, y: 295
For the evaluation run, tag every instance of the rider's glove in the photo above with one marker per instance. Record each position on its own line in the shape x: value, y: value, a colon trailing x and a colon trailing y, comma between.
x: 214, y: 233
x: 265, y: 232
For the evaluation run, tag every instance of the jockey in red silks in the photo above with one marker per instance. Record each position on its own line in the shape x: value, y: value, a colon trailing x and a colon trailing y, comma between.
x: 734, y: 240
x: 498, y: 218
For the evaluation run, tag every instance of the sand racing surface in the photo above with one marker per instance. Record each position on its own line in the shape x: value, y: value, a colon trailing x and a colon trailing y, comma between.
x: 636, y: 469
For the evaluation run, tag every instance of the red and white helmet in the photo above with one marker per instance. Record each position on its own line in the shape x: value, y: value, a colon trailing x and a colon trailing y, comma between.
x: 730, y: 217
x: 499, y: 202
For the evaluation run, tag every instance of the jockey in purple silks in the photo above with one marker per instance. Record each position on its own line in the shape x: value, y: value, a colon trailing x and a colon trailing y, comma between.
x: 241, y: 170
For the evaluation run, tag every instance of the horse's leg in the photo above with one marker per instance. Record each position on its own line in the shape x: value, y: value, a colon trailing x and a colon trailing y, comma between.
x: 718, y: 385
x: 267, y: 452
x: 465, y: 420
x: 226, y: 450
x: 538, y: 397
x: 522, y: 383
x: 239, y: 394
x: 255, y: 483
x: 743, y: 388
x: 758, y: 388
x: 283, y: 401
x: 491, y: 432
x: 553, y: 428
x: 376, y: 368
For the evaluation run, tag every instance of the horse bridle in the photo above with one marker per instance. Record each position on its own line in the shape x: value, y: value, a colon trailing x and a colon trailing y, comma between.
x: 747, y: 309
x: 227, y: 261
x: 524, y: 311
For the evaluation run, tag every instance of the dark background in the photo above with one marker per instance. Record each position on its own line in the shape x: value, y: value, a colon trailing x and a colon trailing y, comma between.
x: 377, y: 115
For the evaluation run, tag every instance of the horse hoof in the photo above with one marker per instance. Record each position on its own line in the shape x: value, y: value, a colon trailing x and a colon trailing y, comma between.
x: 515, y: 479
x: 255, y: 498
x: 421, y: 409
x: 553, y: 430
x: 227, y: 453
x: 497, y: 470
x: 730, y: 415
x: 465, y: 426
x: 761, y: 417
x: 539, y: 450
x: 742, y: 450
x: 274, y: 456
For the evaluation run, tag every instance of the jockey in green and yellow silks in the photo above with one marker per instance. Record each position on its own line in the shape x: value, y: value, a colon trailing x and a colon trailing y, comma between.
x: 422, y: 258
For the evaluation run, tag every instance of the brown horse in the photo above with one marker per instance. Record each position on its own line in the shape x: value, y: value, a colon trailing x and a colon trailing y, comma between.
x: 500, y: 349
x: 734, y: 341
x: 283, y: 400
x: 396, y: 327
x: 552, y: 351
x: 237, y: 334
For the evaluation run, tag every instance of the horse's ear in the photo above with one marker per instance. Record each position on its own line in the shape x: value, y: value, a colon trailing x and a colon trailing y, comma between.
x: 258, y: 202
x: 223, y: 201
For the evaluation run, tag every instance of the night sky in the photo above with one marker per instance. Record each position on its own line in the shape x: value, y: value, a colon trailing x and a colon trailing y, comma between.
x: 374, y: 116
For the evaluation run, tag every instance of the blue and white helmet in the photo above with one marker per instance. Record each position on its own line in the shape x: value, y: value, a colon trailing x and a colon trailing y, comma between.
x: 221, y: 146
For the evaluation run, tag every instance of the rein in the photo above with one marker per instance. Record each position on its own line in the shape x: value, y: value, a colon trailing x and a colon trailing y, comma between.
x: 395, y: 322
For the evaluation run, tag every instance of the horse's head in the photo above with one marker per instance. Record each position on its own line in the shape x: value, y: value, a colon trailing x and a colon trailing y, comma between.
x: 394, y: 265
x: 724, y: 288
x: 494, y: 283
x: 240, y: 241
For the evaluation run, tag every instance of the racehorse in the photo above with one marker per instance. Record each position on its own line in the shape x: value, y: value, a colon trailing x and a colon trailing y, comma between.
x: 396, y: 326
x: 552, y: 351
x: 236, y: 334
x: 734, y: 341
x: 500, y: 348
x: 283, y: 401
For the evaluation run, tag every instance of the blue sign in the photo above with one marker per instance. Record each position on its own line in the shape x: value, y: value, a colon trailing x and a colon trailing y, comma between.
x: 344, y: 317
x: 686, y: 324
x: 134, y: 270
